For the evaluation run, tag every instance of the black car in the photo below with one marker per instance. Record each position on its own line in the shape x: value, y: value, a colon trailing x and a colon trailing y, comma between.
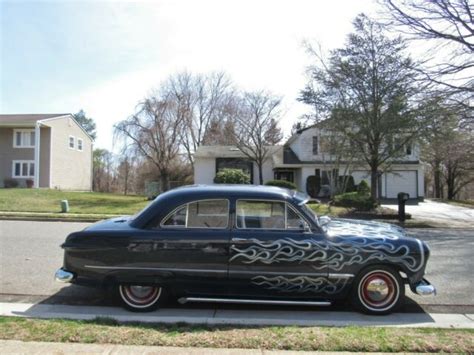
x: 245, y: 244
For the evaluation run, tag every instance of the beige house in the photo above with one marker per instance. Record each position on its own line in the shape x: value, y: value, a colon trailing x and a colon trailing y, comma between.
x: 49, y: 150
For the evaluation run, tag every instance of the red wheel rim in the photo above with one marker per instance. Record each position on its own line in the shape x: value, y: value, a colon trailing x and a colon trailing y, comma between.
x: 140, y: 296
x: 378, y: 290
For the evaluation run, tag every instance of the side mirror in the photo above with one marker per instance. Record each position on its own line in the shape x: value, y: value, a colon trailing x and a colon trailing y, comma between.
x: 324, y: 220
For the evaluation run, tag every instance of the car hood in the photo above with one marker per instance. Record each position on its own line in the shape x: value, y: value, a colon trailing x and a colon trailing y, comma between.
x: 361, y: 228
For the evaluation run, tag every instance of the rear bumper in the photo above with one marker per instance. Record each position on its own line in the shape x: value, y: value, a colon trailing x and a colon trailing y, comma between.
x: 64, y: 276
x: 424, y: 288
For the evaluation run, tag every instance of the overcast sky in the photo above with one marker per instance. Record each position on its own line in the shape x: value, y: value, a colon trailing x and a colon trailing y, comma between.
x: 105, y: 56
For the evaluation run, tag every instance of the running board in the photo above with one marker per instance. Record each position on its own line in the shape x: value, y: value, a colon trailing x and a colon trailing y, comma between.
x: 247, y: 301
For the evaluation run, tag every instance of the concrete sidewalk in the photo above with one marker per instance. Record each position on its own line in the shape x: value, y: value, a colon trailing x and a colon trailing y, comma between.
x: 239, y: 317
x: 31, y: 348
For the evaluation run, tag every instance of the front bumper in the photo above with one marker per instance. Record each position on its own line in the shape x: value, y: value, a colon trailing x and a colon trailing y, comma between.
x: 424, y: 288
x: 64, y: 276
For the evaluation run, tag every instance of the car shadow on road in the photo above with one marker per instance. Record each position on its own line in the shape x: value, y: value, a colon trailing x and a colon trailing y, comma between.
x: 76, y: 302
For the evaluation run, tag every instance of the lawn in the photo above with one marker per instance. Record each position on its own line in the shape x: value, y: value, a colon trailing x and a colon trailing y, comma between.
x: 48, y: 201
x: 361, y: 339
x: 323, y: 209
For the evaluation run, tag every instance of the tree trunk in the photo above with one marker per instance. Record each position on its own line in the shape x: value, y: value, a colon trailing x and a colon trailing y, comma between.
x: 260, y: 174
x: 164, y: 182
x: 437, y: 180
x: 373, y: 182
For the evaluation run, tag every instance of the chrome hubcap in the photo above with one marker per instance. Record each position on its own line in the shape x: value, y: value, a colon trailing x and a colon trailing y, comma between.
x: 140, y: 296
x: 377, y: 289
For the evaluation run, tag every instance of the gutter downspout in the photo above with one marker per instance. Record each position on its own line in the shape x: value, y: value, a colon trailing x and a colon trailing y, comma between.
x: 37, y: 153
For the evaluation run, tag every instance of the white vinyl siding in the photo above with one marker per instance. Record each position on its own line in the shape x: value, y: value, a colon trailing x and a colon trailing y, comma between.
x: 23, y: 138
x: 23, y: 169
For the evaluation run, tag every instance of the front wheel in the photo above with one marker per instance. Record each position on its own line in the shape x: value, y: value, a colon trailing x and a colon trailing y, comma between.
x: 139, y: 298
x: 378, y: 290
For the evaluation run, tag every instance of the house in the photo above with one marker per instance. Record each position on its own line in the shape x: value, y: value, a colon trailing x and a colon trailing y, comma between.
x: 304, y: 155
x: 45, y: 150
x: 208, y: 160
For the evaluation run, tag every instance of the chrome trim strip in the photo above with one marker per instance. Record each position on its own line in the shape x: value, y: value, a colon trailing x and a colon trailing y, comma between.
x: 340, y: 276
x: 250, y: 301
x: 150, y: 268
x: 331, y: 276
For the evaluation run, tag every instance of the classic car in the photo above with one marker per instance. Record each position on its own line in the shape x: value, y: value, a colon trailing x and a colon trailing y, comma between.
x: 245, y: 244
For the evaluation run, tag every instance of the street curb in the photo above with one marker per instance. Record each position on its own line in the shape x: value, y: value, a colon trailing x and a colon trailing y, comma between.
x: 238, y: 317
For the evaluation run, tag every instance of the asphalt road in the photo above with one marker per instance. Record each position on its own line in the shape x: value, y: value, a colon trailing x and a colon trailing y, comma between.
x: 30, y: 254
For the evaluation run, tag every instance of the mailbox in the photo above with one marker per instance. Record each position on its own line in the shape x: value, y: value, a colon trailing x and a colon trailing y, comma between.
x: 402, y: 199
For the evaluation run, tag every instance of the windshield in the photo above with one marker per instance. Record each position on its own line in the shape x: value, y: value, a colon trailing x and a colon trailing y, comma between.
x: 310, y: 211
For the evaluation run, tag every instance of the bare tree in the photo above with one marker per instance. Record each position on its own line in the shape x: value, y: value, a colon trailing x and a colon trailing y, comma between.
x: 449, y: 25
x: 255, y: 127
x: 459, y: 163
x: 102, y: 170
x: 126, y: 172
x: 203, y: 99
x: 153, y: 132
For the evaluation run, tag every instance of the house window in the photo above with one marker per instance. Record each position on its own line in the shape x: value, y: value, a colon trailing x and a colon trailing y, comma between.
x: 23, y: 169
x: 79, y: 144
x: 284, y: 175
x: 315, y: 145
x: 72, y: 142
x: 235, y: 163
x: 408, y: 149
x: 24, y: 138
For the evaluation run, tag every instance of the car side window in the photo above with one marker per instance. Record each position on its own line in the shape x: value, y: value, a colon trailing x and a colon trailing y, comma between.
x: 294, y: 219
x: 199, y: 214
x: 267, y: 215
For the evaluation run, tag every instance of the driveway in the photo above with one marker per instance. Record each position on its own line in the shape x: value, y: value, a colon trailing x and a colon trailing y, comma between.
x: 440, y: 213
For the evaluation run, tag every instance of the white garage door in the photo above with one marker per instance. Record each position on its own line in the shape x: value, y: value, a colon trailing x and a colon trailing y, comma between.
x: 401, y: 181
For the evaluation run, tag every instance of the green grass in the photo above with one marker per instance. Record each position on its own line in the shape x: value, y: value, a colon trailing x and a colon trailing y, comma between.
x: 361, y: 339
x: 48, y: 201
x: 323, y: 209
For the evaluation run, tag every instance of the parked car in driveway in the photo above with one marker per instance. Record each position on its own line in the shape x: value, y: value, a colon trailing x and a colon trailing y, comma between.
x: 245, y: 244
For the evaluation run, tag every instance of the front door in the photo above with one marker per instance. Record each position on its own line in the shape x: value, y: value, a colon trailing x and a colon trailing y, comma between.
x: 273, y: 254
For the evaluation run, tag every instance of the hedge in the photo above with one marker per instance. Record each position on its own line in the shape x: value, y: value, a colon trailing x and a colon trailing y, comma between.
x: 361, y: 202
x: 232, y: 176
x: 282, y: 183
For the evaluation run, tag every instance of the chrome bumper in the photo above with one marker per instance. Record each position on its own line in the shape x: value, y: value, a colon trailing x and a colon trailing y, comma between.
x: 424, y: 288
x: 63, y: 276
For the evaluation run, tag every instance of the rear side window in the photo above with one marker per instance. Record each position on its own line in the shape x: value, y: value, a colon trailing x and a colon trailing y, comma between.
x: 199, y: 214
x: 267, y: 215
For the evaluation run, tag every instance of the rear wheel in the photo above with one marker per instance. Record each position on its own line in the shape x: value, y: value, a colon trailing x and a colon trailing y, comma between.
x: 378, y: 290
x: 140, y: 298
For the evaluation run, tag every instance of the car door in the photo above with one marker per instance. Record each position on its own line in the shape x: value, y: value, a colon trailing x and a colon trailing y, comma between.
x: 273, y: 252
x: 190, y: 247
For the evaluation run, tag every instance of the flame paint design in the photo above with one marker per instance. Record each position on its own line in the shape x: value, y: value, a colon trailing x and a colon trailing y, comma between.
x: 336, y: 251
x: 301, y: 284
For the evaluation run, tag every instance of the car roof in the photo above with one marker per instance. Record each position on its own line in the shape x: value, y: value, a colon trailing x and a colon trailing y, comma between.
x: 248, y: 191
